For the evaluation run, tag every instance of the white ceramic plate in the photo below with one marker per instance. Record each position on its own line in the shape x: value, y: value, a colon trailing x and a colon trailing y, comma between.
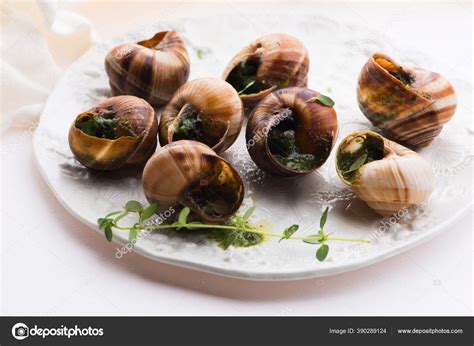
x: 282, y: 202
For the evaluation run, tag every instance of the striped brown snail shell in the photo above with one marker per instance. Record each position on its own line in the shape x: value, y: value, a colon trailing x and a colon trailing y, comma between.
x: 272, y: 62
x: 207, y: 110
x: 384, y: 174
x: 152, y: 69
x: 410, y: 104
x: 190, y: 174
x: 290, y: 133
x: 118, y: 132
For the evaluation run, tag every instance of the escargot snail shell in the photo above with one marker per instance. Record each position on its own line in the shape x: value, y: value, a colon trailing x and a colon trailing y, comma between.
x: 189, y: 173
x: 215, y: 109
x: 410, y: 104
x: 132, y: 134
x: 276, y: 61
x: 393, y: 176
x: 152, y: 69
x: 314, y: 124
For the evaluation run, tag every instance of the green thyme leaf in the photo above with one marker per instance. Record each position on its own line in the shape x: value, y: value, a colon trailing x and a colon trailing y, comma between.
x: 102, y: 222
x: 322, y: 99
x: 183, y: 216
x: 108, y: 233
x: 313, y: 241
x: 132, y: 235
x: 98, y: 127
x: 229, y: 240
x: 322, y: 252
x: 148, y: 212
x: 323, y: 219
x: 112, y: 213
x: 249, y: 212
x: 195, y: 223
x: 288, y: 232
x: 200, y: 54
x: 237, y: 231
x: 246, y: 87
x: 133, y: 206
x: 120, y: 217
x: 321, y: 234
x: 357, y: 163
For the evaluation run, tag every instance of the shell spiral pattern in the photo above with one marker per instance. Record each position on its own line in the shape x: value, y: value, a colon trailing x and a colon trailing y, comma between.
x: 152, y: 69
x: 272, y: 62
x: 119, y: 132
x: 389, y: 178
x: 189, y: 173
x: 313, y: 126
x: 410, y: 104
x: 204, y: 109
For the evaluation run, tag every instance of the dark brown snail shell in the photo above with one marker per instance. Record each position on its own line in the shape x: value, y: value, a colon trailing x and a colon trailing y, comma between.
x: 119, y: 132
x: 190, y: 174
x: 272, y: 62
x: 152, y: 69
x: 410, y: 104
x: 290, y: 133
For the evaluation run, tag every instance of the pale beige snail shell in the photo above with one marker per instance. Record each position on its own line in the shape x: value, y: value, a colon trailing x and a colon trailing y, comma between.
x: 152, y: 69
x: 384, y: 174
x: 190, y: 174
x: 410, y: 104
x: 207, y: 110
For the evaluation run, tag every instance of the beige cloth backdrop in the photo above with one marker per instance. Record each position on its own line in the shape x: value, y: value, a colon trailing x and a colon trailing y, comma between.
x: 38, y: 40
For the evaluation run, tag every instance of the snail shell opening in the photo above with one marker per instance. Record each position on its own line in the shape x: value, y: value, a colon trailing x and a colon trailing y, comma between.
x: 384, y: 174
x: 290, y: 133
x: 119, y: 132
x: 410, y: 104
x: 152, y: 69
x: 271, y: 62
x: 190, y: 174
x: 206, y: 110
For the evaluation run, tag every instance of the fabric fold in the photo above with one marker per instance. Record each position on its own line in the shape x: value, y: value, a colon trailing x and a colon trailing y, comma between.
x: 38, y: 40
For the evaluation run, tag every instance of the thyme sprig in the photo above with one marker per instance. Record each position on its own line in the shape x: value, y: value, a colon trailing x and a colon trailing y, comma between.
x: 322, y: 99
x: 111, y: 222
x: 246, y: 87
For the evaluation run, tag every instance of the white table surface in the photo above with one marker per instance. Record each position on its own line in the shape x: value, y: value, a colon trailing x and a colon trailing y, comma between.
x: 54, y: 265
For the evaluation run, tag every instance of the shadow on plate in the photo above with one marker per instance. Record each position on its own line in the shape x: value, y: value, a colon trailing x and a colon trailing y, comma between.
x: 78, y: 172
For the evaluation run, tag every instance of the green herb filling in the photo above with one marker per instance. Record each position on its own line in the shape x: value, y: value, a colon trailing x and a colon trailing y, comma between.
x: 97, y: 126
x: 395, y: 70
x: 216, y: 200
x: 190, y: 127
x: 402, y: 76
x: 282, y: 145
x: 235, y: 237
x: 216, y: 195
x: 244, y: 77
x: 371, y: 149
